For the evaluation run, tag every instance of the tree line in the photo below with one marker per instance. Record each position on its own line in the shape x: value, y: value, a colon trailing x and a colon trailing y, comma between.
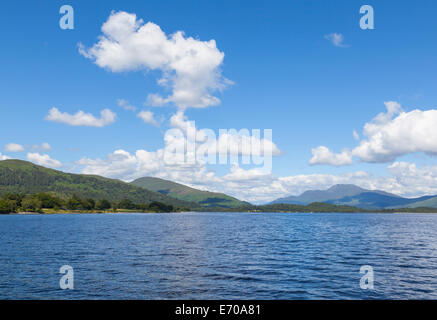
x: 14, y: 202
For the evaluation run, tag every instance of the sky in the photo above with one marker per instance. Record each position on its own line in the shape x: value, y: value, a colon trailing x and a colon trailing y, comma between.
x: 112, y: 95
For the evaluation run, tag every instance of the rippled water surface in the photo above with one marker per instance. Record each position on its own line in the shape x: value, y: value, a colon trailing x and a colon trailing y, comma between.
x: 218, y: 256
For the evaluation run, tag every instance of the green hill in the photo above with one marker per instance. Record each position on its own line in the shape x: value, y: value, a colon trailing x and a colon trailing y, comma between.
x: 17, y: 176
x: 182, y: 192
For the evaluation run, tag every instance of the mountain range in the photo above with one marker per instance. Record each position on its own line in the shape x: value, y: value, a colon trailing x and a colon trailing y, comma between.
x: 352, y: 195
x: 17, y: 176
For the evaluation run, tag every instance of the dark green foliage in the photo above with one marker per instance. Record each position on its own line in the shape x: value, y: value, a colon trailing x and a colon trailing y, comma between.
x: 103, y: 205
x: 126, y: 204
x: 49, y: 201
x: 31, y: 203
x: 8, y: 206
x: 88, y: 204
x: 160, y: 207
x: 16, y: 198
x: 76, y: 203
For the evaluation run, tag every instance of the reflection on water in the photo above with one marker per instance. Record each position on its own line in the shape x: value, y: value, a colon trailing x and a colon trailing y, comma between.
x: 219, y: 256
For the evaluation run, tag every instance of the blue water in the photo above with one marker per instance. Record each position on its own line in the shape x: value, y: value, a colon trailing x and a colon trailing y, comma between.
x: 219, y: 256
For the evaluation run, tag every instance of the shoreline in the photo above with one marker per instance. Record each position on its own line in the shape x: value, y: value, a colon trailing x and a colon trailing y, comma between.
x: 138, y: 212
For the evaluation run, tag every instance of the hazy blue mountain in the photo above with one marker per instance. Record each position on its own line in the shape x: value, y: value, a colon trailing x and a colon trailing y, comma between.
x: 336, y: 192
x: 371, y: 200
x: 351, y: 195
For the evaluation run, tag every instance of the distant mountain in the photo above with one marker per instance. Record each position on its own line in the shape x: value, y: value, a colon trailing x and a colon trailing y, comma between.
x: 371, y: 200
x: 17, y: 176
x: 336, y: 192
x: 352, y: 195
x: 183, y: 192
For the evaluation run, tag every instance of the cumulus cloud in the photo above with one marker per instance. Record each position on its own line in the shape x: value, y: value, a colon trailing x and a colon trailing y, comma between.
x: 337, y: 39
x: 242, y: 142
x: 43, y: 160
x: 396, y: 133
x: 255, y: 185
x: 81, y: 118
x: 173, y: 161
x: 126, y: 166
x: 322, y: 155
x: 389, y: 135
x: 190, y: 67
x: 148, y: 117
x: 3, y: 157
x: 43, y: 147
x: 419, y: 180
x: 122, y: 103
x: 14, y: 147
x: 252, y: 184
x: 402, y: 178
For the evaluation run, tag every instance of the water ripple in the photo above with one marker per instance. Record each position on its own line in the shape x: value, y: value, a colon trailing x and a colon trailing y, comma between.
x: 219, y: 256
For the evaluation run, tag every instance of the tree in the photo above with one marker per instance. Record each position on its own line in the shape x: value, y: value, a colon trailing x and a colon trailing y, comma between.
x: 14, y: 197
x: 31, y: 204
x: 88, y: 204
x: 74, y: 203
x: 126, y: 204
x: 49, y: 201
x: 160, y: 207
x: 8, y: 206
x: 103, y: 205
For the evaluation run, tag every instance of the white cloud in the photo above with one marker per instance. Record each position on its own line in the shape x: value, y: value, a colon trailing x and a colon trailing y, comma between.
x: 43, y: 147
x: 14, y: 147
x: 337, y: 39
x: 81, y: 118
x: 120, y: 164
x: 322, y: 155
x: 127, y: 166
x: 356, y: 135
x: 43, y: 160
x: 190, y: 67
x: 233, y: 142
x: 389, y: 135
x: 148, y: 117
x: 255, y: 185
x: 396, y: 133
x: 3, y: 157
x: 405, y: 179
x: 126, y: 105
x: 412, y: 180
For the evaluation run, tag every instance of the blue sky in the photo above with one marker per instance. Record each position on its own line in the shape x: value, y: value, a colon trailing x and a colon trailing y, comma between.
x: 286, y: 77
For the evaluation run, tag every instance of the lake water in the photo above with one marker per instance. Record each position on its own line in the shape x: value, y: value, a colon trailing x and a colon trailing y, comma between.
x: 219, y: 256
